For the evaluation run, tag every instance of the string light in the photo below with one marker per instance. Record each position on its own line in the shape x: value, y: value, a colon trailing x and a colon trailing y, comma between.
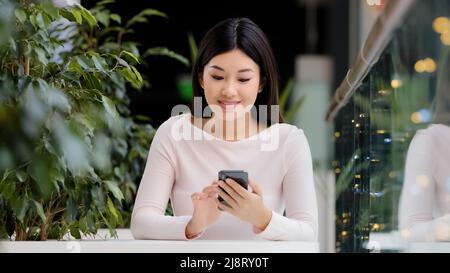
x: 383, y: 92
x: 427, y: 65
x: 396, y: 83
x: 376, y: 227
x: 441, y: 25
x: 392, y: 174
x: 445, y: 39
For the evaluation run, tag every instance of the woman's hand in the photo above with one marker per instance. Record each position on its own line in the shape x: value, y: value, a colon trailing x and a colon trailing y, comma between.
x: 247, y: 206
x: 205, y: 210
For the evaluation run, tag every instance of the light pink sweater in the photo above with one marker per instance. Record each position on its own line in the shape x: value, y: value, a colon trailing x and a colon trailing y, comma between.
x: 425, y: 200
x: 179, y: 164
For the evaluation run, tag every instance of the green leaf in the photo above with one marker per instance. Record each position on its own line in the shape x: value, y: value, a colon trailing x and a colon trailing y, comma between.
x: 22, y: 175
x: 110, y: 107
x: 285, y: 94
x: 82, y: 63
x: 39, y: 210
x: 122, y: 62
x: 130, y: 56
x: 92, y: 81
x: 8, y: 190
x: 77, y: 15
x: 138, y: 75
x: 114, y: 189
x: 98, y: 195
x: 50, y: 9
x: 74, y: 66
x: 38, y: 171
x: 116, y: 17
x: 131, y: 47
x: 71, y: 209
x: 33, y: 20
x: 90, y: 221
x: 75, y: 232
x: 20, y: 15
x: 87, y: 15
x: 87, y: 121
x: 140, y: 18
x: 104, y: 2
x: 41, y: 55
x: 192, y: 47
x: 290, y: 114
x: 100, y: 63
x: 112, y: 209
x: 129, y: 75
x: 19, y: 207
x: 40, y: 21
x: 103, y: 17
x: 163, y: 51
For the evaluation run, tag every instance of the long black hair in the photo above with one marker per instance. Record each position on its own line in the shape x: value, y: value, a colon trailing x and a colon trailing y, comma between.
x: 245, y: 35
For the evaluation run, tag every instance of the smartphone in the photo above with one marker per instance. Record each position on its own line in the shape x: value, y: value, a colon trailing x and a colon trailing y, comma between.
x: 241, y: 177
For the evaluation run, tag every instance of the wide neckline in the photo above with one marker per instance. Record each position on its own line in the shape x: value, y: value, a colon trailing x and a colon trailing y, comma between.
x: 187, y: 118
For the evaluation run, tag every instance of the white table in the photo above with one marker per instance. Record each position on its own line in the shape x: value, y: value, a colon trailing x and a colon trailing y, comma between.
x: 438, y: 247
x: 125, y: 244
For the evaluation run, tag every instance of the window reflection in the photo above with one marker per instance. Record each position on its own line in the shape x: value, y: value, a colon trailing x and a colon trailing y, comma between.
x: 424, y: 214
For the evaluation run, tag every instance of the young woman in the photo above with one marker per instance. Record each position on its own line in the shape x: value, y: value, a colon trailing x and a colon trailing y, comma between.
x: 234, y: 74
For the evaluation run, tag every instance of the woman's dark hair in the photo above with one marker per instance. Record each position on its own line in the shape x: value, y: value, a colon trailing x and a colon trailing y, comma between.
x: 245, y: 35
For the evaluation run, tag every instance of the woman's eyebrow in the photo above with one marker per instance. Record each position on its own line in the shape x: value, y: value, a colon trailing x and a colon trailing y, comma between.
x: 245, y: 70
x: 217, y: 67
x: 240, y: 71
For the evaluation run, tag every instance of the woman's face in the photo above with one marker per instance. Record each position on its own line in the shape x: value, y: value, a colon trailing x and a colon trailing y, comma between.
x: 231, y: 83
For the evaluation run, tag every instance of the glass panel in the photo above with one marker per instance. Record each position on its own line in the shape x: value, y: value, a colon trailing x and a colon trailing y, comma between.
x: 393, y: 143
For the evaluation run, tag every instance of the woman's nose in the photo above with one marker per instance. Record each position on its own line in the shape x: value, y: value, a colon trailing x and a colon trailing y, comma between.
x: 229, y: 90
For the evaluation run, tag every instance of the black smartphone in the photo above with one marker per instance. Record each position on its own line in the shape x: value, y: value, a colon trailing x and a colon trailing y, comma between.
x: 241, y: 177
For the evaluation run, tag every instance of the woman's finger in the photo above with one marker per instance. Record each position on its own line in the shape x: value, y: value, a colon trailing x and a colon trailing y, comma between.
x: 231, y: 192
x: 198, y: 196
x: 236, y: 187
x: 227, y: 198
x: 255, y: 187
x: 224, y: 207
x: 212, y: 192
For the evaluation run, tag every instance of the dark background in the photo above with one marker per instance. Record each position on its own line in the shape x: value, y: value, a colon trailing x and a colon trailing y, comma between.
x: 284, y: 22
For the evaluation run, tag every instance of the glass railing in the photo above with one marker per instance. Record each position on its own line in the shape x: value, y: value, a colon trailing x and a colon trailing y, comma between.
x: 392, y: 143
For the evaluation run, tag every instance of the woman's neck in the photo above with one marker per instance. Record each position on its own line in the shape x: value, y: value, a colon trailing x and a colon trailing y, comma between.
x: 233, y: 129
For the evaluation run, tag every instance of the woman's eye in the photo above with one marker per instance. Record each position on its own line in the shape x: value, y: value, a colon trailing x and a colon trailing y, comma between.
x: 217, y: 78
x: 244, y: 80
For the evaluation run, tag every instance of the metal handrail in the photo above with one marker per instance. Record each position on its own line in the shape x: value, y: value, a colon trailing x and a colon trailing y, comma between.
x: 379, y: 37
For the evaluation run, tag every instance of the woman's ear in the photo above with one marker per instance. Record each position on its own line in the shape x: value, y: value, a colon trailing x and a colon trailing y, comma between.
x: 261, y: 85
x: 200, y: 80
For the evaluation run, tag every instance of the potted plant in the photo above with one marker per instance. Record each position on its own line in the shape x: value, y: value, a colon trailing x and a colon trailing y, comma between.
x: 70, y: 151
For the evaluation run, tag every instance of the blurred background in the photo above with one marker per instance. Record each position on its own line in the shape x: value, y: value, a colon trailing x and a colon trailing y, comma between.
x: 83, y: 89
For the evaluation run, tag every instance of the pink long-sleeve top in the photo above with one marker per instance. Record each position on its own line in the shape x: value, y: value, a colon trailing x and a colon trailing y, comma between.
x: 424, y: 213
x: 184, y: 159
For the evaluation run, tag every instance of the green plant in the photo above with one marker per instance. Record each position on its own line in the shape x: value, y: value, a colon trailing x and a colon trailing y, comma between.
x: 289, y: 112
x: 71, y: 152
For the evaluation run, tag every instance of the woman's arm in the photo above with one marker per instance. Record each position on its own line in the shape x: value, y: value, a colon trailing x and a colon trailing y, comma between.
x: 148, y: 220
x: 300, y: 222
x: 418, y: 193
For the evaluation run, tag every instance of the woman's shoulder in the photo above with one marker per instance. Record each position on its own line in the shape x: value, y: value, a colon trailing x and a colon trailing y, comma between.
x: 432, y: 132
x: 290, y: 135
x: 167, y: 128
x: 290, y: 131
